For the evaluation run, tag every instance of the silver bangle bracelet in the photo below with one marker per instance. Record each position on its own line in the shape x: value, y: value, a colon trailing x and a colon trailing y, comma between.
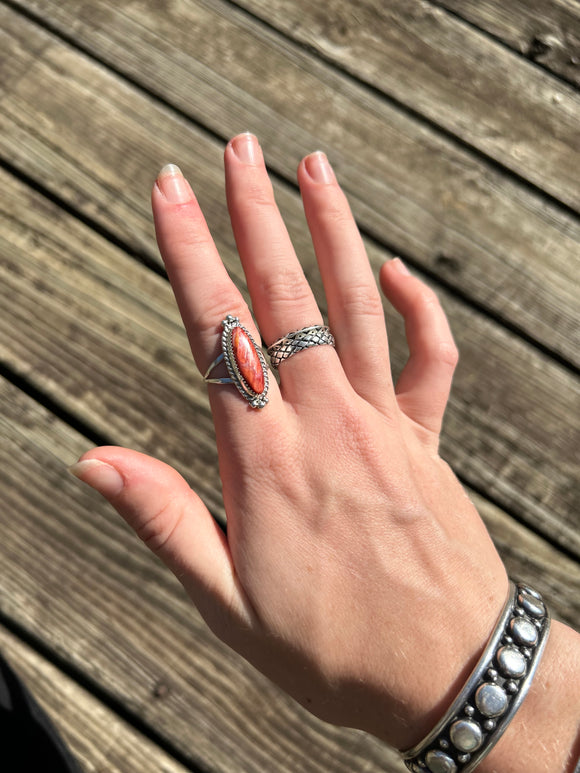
x: 493, y: 693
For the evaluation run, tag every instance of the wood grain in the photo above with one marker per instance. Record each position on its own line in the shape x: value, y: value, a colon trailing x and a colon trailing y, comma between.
x: 454, y: 151
x: 96, y: 142
x: 546, y: 31
x: 415, y: 53
x: 98, y: 738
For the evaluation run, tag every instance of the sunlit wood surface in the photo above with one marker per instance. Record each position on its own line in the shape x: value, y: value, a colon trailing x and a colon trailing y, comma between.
x: 454, y: 128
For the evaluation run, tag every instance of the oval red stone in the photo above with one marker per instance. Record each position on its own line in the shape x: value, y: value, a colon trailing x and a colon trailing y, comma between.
x: 247, y: 360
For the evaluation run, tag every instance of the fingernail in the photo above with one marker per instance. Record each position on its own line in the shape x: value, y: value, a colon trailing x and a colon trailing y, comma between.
x: 247, y: 148
x: 173, y: 185
x: 318, y: 167
x: 399, y: 266
x: 101, y: 476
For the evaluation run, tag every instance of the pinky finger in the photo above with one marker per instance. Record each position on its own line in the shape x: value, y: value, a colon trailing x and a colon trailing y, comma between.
x: 424, y: 384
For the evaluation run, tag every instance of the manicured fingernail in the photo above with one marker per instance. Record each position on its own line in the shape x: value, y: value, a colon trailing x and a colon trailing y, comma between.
x: 318, y: 168
x: 247, y: 148
x: 173, y: 185
x: 399, y: 266
x: 101, y: 476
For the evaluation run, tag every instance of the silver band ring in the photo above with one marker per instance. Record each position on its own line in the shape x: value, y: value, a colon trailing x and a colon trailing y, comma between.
x: 245, y: 362
x: 296, y: 341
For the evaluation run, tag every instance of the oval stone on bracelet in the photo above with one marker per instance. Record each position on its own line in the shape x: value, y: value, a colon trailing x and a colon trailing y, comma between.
x: 466, y: 735
x: 531, y: 605
x: 439, y: 762
x: 523, y: 631
x: 530, y: 591
x: 511, y: 662
x: 491, y: 700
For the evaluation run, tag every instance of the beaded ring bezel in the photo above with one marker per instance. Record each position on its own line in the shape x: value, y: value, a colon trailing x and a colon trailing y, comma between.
x: 228, y: 355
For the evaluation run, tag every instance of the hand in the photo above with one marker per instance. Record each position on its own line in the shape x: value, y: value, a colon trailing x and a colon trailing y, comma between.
x: 355, y: 573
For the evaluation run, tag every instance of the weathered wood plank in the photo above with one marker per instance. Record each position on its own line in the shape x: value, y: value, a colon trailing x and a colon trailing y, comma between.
x: 98, y: 738
x: 97, y: 143
x: 546, y: 31
x: 100, y: 334
x: 104, y: 339
x: 431, y: 62
x: 74, y: 575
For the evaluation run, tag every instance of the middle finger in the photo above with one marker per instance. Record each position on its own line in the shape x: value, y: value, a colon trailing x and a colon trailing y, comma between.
x: 281, y: 296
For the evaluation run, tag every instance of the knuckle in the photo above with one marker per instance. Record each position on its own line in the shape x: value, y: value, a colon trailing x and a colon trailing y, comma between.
x: 159, y: 527
x: 448, y: 353
x: 426, y: 297
x: 285, y: 286
x: 431, y: 316
x: 214, y: 309
x: 257, y: 193
x: 332, y: 204
x: 358, y: 440
x: 192, y: 239
x: 335, y: 211
x: 347, y: 420
x: 440, y: 352
x: 362, y: 300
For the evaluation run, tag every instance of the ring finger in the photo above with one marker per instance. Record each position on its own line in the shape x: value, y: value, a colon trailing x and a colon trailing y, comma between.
x: 355, y: 308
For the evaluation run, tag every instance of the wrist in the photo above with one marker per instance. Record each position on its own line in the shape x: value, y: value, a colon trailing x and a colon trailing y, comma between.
x: 544, y: 735
x: 456, y: 656
x: 450, y: 648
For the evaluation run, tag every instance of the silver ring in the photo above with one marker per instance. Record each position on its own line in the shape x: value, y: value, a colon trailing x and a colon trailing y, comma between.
x: 296, y: 341
x: 245, y: 362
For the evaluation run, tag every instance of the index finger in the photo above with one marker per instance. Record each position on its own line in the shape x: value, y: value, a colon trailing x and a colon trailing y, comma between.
x: 204, y: 292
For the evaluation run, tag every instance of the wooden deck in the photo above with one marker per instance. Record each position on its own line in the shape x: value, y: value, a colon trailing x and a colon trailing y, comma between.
x: 454, y: 126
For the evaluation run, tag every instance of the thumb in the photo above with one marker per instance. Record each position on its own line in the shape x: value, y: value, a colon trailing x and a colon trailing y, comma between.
x: 174, y: 523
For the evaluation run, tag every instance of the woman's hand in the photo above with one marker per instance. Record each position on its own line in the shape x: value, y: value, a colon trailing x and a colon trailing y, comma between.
x: 356, y: 573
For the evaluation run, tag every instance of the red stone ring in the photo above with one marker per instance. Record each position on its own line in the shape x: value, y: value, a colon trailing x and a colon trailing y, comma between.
x: 245, y: 363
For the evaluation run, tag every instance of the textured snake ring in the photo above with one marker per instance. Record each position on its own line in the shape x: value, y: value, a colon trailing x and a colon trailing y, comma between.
x: 296, y: 341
